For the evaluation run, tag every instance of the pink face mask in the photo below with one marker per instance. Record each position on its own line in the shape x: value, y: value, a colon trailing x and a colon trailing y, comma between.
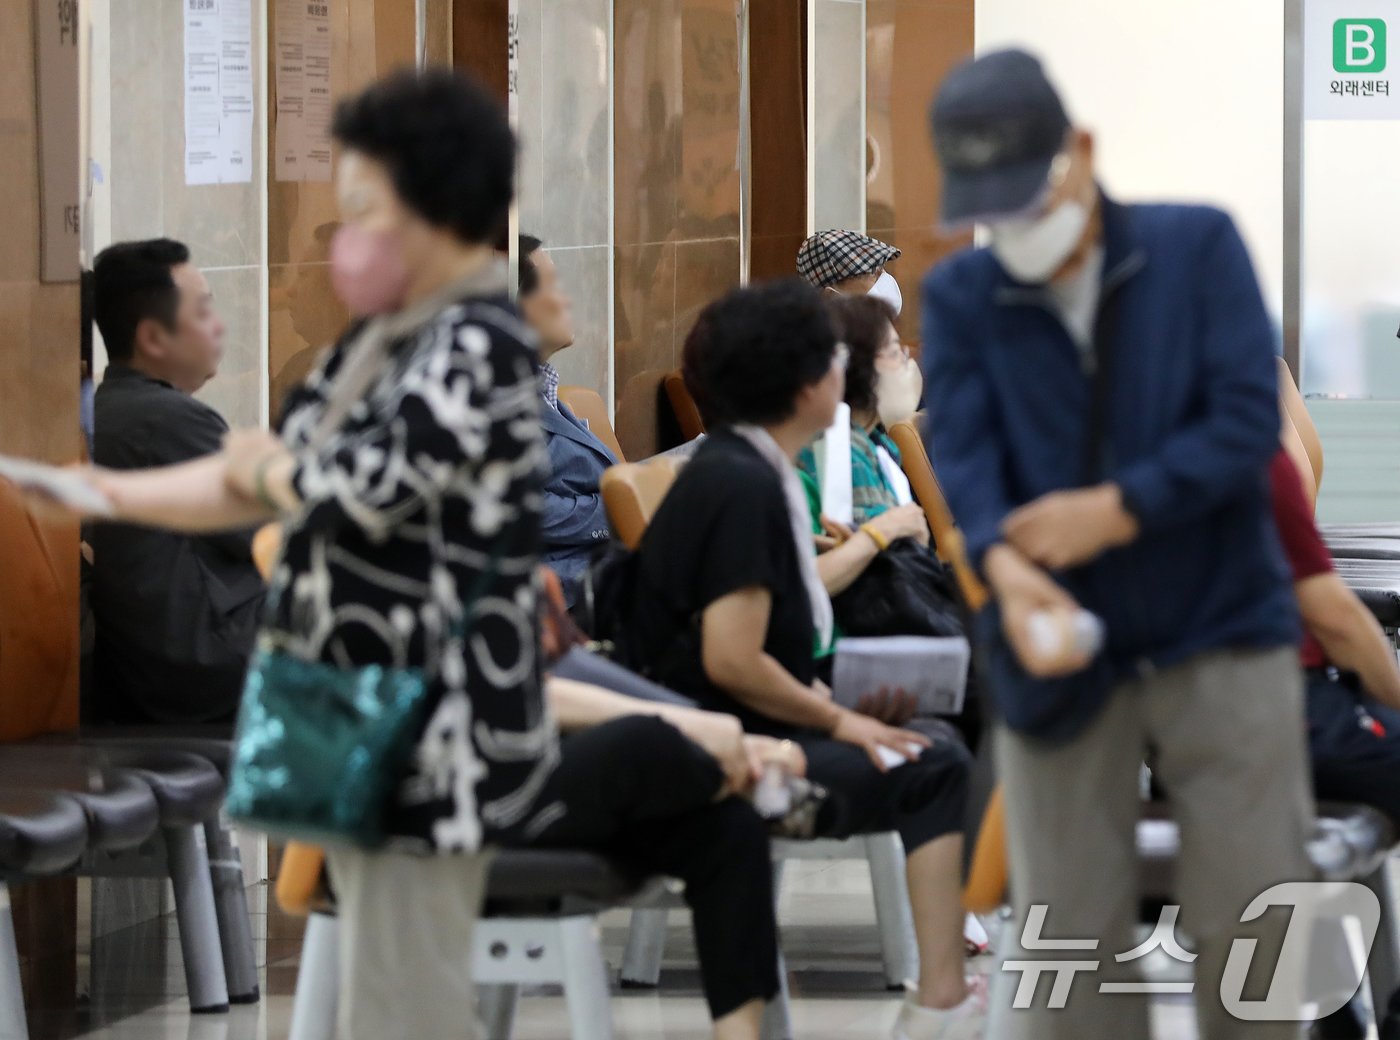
x: 367, y: 270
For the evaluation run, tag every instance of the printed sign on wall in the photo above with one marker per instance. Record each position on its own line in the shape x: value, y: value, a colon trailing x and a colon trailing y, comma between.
x: 1349, y: 59
x: 303, y: 56
x: 56, y: 60
x: 218, y: 91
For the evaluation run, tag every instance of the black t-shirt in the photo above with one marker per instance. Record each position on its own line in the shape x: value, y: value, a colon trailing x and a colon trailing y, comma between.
x: 175, y: 614
x: 723, y: 527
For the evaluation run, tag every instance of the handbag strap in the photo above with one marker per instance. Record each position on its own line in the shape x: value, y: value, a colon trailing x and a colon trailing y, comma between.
x: 480, y: 584
x: 374, y: 341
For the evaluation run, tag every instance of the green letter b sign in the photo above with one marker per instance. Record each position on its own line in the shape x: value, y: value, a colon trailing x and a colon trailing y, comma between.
x: 1358, y: 45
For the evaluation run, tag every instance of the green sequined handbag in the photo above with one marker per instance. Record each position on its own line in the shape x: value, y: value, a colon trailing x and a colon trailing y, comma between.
x: 320, y: 748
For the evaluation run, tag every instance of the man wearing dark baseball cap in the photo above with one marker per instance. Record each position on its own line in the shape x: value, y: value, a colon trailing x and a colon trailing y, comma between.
x: 1103, y: 412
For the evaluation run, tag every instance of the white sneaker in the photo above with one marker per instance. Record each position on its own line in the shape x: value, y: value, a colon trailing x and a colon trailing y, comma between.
x: 975, y: 941
x: 966, y: 1021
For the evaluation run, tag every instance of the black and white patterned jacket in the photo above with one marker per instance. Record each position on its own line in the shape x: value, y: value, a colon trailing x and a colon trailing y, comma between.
x: 434, y: 474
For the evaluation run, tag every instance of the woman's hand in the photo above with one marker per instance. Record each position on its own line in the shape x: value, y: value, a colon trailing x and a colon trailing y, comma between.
x: 766, y: 750
x: 873, y: 735
x: 834, y: 535
x: 245, y: 451
x: 902, y: 522
x: 722, y: 738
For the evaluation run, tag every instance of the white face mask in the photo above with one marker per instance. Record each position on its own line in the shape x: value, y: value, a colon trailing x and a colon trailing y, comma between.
x: 1033, y: 250
x: 887, y: 289
x: 897, y: 392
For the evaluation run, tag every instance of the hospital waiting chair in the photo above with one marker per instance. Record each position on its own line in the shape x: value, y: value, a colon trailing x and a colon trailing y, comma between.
x: 683, y: 406
x: 152, y: 808
x: 539, y: 926
x: 947, y: 539
x: 587, y: 405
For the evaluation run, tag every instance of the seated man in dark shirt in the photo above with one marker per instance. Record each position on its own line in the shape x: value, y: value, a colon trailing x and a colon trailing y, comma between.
x: 175, y: 615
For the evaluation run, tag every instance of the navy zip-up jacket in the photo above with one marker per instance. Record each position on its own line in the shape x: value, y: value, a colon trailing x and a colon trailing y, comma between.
x: 1192, y: 423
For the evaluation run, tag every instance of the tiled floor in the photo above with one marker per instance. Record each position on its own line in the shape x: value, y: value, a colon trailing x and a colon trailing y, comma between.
x: 828, y: 934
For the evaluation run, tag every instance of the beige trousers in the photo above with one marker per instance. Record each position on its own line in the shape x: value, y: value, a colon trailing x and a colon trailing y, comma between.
x: 1226, y: 735
x: 406, y: 944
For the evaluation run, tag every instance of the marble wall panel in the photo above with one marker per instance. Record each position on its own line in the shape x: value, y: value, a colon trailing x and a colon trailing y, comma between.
x: 911, y: 45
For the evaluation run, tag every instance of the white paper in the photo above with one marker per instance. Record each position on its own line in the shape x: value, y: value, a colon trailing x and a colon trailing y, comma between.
x: 933, y: 670
x: 1350, y: 53
x: 903, y: 493
x: 1158, y: 836
x: 236, y: 92
x: 63, y: 485
x: 838, y: 502
x: 303, y: 55
x: 218, y: 91
x: 892, y: 759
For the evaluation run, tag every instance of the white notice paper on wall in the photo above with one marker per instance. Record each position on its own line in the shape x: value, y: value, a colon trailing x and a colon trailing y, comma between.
x: 303, y: 54
x: 236, y: 91
x: 1350, y: 50
x: 218, y: 91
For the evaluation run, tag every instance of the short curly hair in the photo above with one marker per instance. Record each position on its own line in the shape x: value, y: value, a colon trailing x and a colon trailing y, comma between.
x: 863, y: 323
x: 447, y: 145
x: 751, y: 352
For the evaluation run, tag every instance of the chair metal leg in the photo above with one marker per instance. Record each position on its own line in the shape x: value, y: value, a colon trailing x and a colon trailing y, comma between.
x: 1332, y: 973
x: 777, y: 1015
x: 231, y: 906
x: 13, y: 1025
x: 646, y: 943
x: 1002, y: 984
x: 318, y: 981
x: 585, y: 979
x: 888, y: 883
x: 496, y: 1008
x: 199, y: 924
x: 1383, y: 964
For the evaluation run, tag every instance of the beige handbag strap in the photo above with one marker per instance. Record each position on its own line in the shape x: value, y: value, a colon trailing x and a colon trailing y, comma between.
x: 366, y: 356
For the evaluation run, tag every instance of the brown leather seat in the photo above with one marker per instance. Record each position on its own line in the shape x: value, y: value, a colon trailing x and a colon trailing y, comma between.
x: 639, y: 418
x: 39, y: 649
x: 267, y: 543
x: 633, y: 492
x: 589, y: 406
x: 683, y: 406
x: 919, y: 469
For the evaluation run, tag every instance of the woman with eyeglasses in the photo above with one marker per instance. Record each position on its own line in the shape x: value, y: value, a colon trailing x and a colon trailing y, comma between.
x: 883, y: 387
x: 859, y: 498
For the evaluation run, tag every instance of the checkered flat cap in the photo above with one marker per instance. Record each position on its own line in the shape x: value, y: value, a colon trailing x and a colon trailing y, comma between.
x: 829, y: 257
